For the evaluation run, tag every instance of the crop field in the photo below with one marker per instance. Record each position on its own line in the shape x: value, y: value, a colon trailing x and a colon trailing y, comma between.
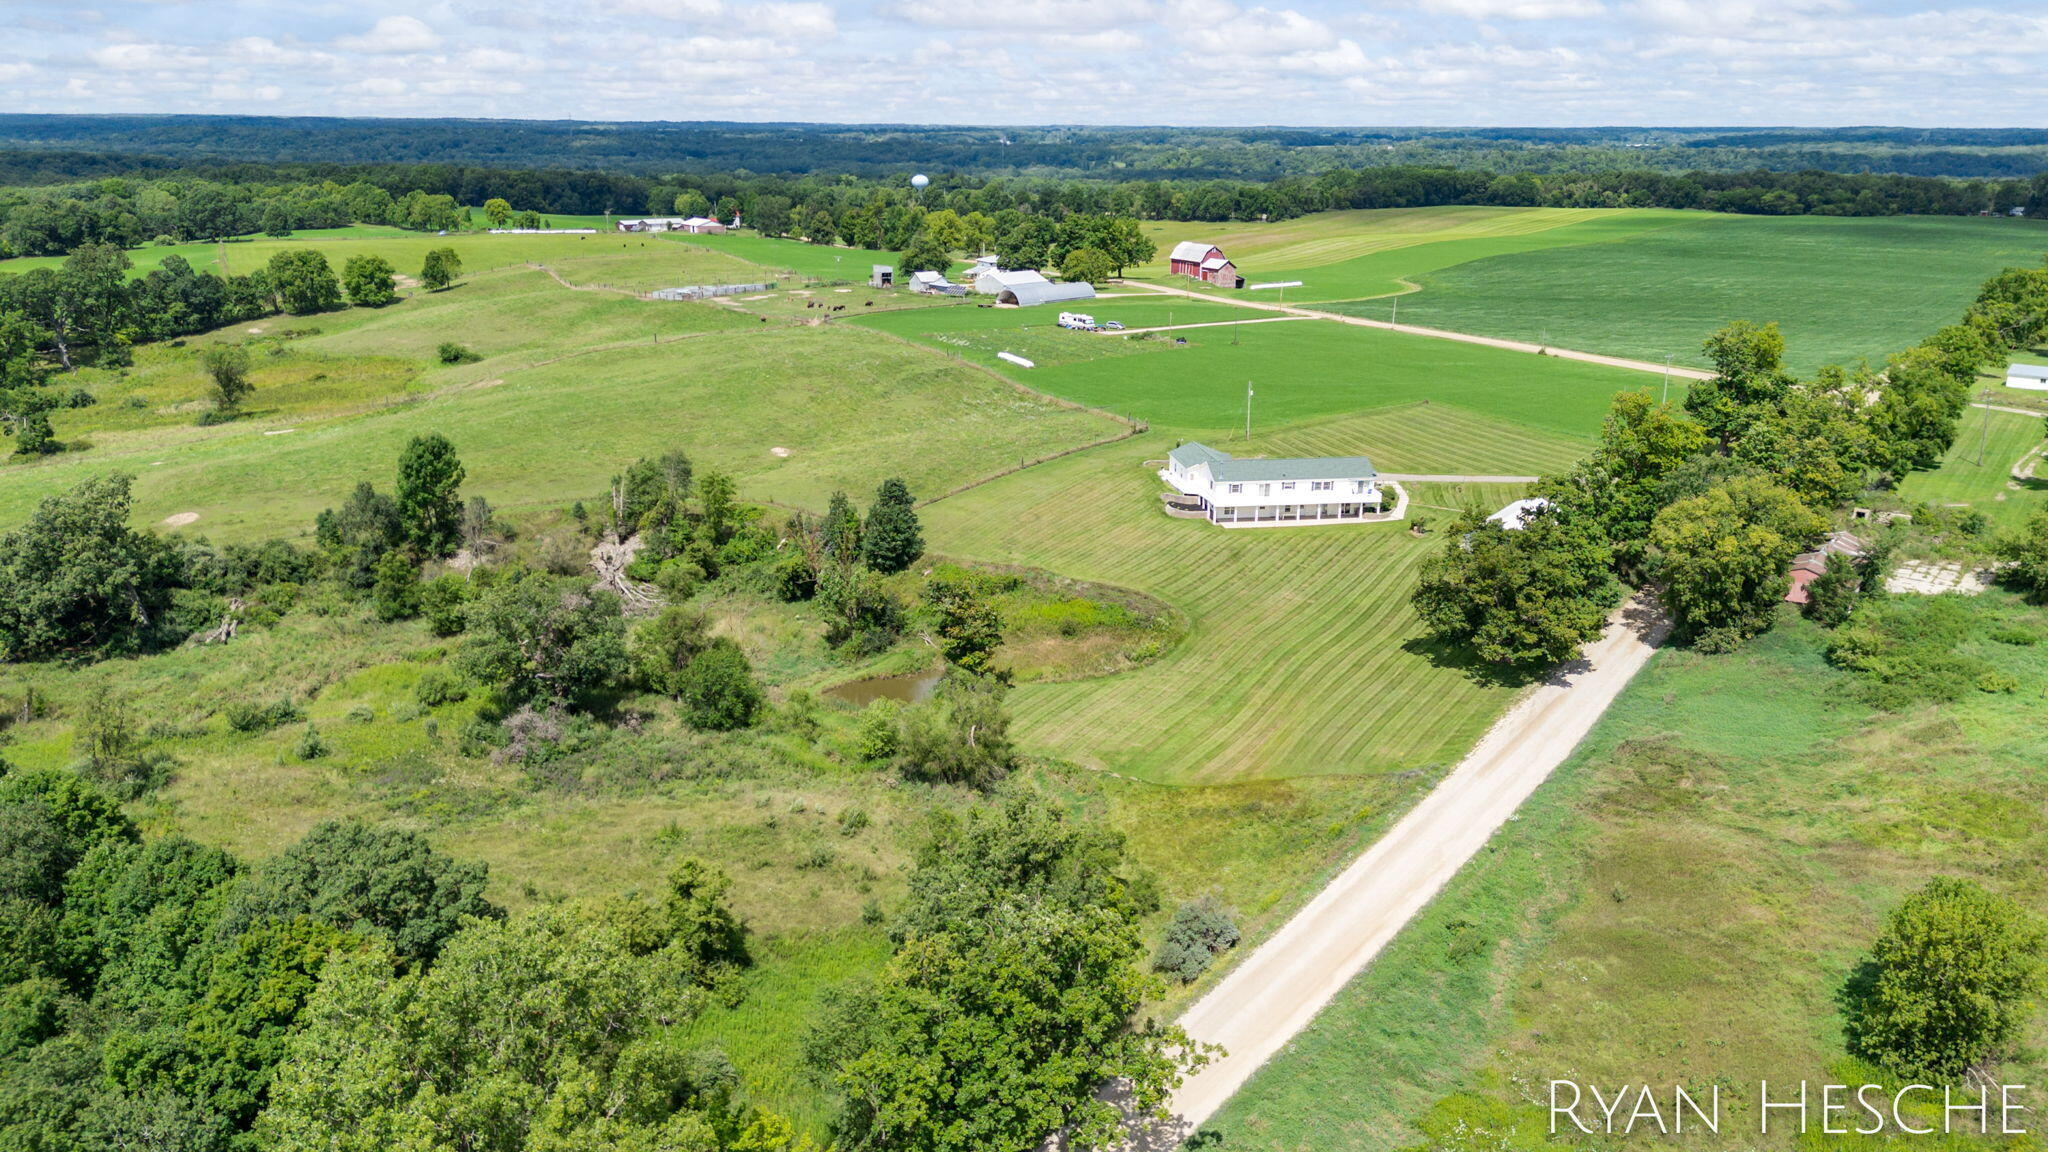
x: 1979, y: 470
x: 1380, y: 251
x: 1681, y: 903
x: 572, y: 387
x: 1297, y: 660
x: 1299, y: 370
x: 1842, y: 289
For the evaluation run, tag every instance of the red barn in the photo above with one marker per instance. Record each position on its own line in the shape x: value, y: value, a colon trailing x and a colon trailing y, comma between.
x: 1203, y: 262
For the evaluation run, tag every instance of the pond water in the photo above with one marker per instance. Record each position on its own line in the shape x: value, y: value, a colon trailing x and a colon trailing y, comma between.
x: 907, y: 688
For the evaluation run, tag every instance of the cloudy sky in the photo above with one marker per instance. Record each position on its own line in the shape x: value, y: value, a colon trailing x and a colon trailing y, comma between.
x: 1308, y: 62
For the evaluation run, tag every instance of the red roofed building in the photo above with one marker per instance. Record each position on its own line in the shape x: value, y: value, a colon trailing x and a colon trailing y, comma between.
x: 1807, y: 566
x: 1203, y: 262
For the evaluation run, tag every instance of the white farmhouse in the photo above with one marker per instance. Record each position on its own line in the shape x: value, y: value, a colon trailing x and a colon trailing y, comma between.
x: 1315, y: 490
x: 2030, y: 376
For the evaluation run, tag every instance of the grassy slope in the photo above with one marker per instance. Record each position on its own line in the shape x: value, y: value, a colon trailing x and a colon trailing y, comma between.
x: 1299, y: 369
x: 1679, y: 904
x: 1377, y: 252
x: 1841, y: 288
x: 1295, y: 663
x: 537, y: 426
x: 1977, y: 471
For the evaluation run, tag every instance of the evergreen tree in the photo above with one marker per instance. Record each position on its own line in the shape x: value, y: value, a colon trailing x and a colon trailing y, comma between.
x: 430, y: 495
x: 841, y: 530
x: 892, y: 539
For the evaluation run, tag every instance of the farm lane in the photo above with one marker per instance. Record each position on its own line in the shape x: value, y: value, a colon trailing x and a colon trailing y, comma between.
x: 1277, y: 990
x: 1441, y: 334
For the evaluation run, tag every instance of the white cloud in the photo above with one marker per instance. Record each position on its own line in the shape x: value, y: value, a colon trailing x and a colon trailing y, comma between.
x: 1262, y: 32
x: 1517, y: 9
x: 393, y: 34
x: 1063, y: 17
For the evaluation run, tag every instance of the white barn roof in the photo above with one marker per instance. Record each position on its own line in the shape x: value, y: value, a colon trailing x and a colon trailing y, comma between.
x: 1516, y: 516
x: 1044, y: 292
x: 1191, y: 250
x: 2027, y: 372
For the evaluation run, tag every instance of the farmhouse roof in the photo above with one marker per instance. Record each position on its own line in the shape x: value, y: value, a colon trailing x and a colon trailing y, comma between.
x: 1007, y: 278
x: 1310, y: 468
x: 1195, y: 452
x: 1044, y: 292
x: 1515, y: 516
x: 1215, y: 262
x: 2028, y: 371
x: 1193, y: 250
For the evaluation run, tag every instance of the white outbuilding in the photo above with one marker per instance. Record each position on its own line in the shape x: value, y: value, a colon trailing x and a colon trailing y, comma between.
x: 2033, y: 377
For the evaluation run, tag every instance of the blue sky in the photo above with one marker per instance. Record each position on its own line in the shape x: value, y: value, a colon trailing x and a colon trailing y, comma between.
x: 1445, y: 62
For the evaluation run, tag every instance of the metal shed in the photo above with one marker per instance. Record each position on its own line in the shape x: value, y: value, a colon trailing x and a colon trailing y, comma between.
x: 1044, y: 292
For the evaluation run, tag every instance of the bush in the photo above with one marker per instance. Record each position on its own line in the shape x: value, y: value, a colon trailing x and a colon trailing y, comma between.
x: 717, y: 688
x: 664, y: 646
x: 442, y: 601
x: 852, y: 821
x: 453, y: 353
x: 440, y: 686
x: 1201, y: 929
x: 1903, y: 651
x: 247, y: 716
x: 310, y: 745
x: 396, y: 588
x: 878, y: 737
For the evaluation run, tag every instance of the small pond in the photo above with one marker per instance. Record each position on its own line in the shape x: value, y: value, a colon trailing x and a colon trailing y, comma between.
x: 907, y: 688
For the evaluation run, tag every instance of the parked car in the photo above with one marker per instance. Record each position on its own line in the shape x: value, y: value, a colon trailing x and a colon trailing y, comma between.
x: 1112, y: 325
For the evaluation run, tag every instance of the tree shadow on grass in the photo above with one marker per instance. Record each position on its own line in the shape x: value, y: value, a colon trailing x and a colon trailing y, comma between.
x: 1487, y: 673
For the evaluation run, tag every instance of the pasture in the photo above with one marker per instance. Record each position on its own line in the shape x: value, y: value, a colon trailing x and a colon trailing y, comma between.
x: 1979, y: 471
x: 573, y: 386
x: 1299, y: 370
x: 1681, y: 903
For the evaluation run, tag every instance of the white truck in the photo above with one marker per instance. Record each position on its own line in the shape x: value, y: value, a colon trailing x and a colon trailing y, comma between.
x: 1079, y: 322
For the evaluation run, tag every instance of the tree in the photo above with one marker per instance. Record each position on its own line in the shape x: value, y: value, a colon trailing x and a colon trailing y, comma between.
x: 2026, y: 553
x: 75, y: 578
x: 227, y: 366
x: 969, y: 627
x: 718, y: 503
x: 383, y: 883
x: 359, y: 533
x: 540, y: 636
x: 368, y: 281
x: 1021, y: 938
x: 961, y: 736
x: 665, y: 645
x: 891, y: 538
x: 1089, y: 265
x: 841, y: 529
x: 1622, y: 484
x: 1951, y: 982
x: 497, y: 211
x: 1749, y: 380
x: 303, y: 281
x: 1722, y: 556
x: 1831, y: 596
x: 395, y: 589
x: 441, y: 268
x: 429, y: 499
x: 770, y: 215
x: 1532, y: 595
x: 923, y: 255
x: 717, y: 688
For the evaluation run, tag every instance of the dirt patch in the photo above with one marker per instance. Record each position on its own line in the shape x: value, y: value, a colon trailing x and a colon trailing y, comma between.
x: 258, y: 331
x: 180, y: 519
x: 779, y: 452
x: 280, y: 431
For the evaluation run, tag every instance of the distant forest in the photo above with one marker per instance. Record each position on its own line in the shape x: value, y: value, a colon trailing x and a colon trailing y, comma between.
x: 1133, y: 153
x: 199, y: 178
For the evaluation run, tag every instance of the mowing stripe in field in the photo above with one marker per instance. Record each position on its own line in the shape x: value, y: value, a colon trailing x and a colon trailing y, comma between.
x: 1298, y: 658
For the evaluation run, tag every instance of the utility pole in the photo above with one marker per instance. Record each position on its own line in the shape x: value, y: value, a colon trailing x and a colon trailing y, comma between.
x: 1983, y: 429
x: 1667, y: 381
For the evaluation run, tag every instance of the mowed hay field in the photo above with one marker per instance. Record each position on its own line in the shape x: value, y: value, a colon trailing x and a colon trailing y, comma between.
x: 573, y: 386
x: 1979, y: 470
x: 1681, y: 903
x: 1298, y: 659
x: 1380, y: 251
x: 1842, y: 289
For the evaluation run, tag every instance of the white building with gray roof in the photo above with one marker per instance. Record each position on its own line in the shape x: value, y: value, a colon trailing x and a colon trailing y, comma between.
x: 1307, y: 490
x: 2033, y: 377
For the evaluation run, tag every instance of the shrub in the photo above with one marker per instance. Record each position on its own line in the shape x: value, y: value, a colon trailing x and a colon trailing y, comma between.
x: 717, y: 688
x: 665, y: 645
x: 877, y: 738
x: 852, y: 821
x: 395, y: 590
x: 310, y: 745
x: 248, y: 716
x: 439, y: 686
x: 442, y: 602
x: 1200, y: 930
x: 1903, y: 651
x: 1950, y: 983
x: 453, y: 353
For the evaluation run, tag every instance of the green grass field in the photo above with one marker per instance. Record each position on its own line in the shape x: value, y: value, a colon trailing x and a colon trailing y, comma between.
x: 1842, y: 289
x: 573, y: 386
x: 1295, y: 661
x: 1299, y: 370
x: 1978, y: 470
x: 1680, y: 903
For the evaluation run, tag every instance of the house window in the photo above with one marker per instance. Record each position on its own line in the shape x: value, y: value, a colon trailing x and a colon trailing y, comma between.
x: 1358, y: 485
x: 1322, y: 485
x: 1237, y: 487
x: 1265, y: 489
x: 1287, y: 487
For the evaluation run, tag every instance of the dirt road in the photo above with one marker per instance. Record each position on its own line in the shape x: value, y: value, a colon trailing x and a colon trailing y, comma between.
x: 1280, y: 987
x: 1441, y: 334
